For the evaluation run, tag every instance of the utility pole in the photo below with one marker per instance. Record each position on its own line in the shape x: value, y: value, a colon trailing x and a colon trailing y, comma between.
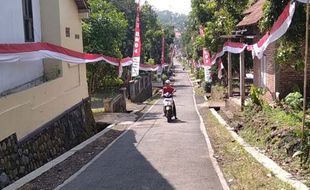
x: 229, y: 74
x: 305, y: 75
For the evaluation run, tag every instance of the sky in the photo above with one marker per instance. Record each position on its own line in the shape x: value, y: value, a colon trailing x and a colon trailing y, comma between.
x: 177, y: 6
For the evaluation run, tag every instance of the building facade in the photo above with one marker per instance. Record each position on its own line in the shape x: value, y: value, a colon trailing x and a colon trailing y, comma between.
x: 278, y: 80
x: 34, y: 93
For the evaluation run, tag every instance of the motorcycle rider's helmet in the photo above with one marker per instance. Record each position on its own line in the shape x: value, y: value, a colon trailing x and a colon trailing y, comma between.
x: 167, y: 82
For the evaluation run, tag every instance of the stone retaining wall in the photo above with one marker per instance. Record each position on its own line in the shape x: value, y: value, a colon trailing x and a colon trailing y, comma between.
x: 18, y: 158
x: 141, y: 89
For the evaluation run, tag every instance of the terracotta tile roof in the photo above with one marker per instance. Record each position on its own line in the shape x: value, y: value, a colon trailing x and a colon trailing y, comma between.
x: 253, y: 14
x: 81, y: 4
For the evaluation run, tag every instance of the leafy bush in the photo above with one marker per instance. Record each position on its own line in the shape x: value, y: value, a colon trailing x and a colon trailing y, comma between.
x: 200, y: 74
x: 255, y: 95
x: 164, y: 77
x: 294, y: 101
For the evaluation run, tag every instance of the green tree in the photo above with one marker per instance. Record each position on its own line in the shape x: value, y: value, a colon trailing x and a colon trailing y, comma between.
x: 128, y: 7
x: 104, y: 32
x: 151, y: 34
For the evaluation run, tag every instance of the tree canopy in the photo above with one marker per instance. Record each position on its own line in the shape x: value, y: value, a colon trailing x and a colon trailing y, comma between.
x: 109, y: 30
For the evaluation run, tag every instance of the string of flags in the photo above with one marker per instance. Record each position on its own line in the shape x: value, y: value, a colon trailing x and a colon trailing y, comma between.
x: 278, y: 29
x: 37, y: 51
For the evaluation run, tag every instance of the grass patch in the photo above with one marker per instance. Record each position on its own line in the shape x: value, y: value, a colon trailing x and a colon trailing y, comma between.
x: 239, y: 167
x: 153, y: 99
x: 218, y: 92
x: 199, y: 91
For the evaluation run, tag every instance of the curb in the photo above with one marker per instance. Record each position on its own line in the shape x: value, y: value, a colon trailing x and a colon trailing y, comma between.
x: 210, y: 148
x: 261, y: 158
x: 36, y: 173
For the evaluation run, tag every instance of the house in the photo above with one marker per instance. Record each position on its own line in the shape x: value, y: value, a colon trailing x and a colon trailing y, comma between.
x: 34, y: 93
x: 268, y: 74
x: 41, y: 99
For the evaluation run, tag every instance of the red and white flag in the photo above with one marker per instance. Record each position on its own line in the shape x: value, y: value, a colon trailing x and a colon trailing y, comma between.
x: 163, y: 50
x: 162, y: 60
x: 278, y: 29
x: 137, y: 46
x: 206, y: 57
x: 220, y: 68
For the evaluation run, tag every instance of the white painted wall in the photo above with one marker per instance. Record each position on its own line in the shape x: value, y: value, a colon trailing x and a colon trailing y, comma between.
x: 12, y: 31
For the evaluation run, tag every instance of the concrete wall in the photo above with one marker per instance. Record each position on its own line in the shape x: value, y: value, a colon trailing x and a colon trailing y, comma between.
x: 24, y: 112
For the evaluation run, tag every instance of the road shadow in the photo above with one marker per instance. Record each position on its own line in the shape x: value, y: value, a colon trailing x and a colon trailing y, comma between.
x: 178, y: 121
x: 121, y: 167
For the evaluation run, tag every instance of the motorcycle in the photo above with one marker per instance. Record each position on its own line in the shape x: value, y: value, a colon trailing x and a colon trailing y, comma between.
x: 168, y: 106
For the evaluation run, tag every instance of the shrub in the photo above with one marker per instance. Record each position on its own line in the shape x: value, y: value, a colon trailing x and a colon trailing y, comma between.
x: 255, y: 95
x: 294, y: 101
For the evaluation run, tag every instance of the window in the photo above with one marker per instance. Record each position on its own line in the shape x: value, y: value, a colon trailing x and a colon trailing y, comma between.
x: 68, y: 32
x: 28, y: 20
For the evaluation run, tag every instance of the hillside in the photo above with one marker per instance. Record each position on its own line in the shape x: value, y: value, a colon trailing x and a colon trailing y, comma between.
x: 169, y: 18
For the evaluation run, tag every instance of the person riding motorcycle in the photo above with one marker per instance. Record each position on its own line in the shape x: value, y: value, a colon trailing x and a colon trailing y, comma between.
x: 168, y: 89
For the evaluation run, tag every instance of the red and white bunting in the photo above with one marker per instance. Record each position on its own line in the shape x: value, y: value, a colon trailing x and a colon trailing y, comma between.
x: 137, y: 46
x: 146, y: 67
x: 37, y: 51
x: 232, y: 47
x: 278, y: 29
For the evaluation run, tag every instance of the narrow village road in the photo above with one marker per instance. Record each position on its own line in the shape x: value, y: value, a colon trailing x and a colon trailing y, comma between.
x: 154, y: 154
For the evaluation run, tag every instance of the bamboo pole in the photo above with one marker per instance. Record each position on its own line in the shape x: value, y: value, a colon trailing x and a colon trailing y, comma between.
x: 229, y: 75
x: 305, y: 74
x: 242, y: 81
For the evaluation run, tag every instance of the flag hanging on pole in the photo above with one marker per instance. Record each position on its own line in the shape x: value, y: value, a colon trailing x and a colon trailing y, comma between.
x: 220, y: 68
x: 137, y: 46
x: 206, y: 58
x: 162, y: 61
x: 163, y: 50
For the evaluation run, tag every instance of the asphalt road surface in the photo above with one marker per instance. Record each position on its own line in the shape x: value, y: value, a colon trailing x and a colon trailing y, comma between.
x: 154, y: 154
